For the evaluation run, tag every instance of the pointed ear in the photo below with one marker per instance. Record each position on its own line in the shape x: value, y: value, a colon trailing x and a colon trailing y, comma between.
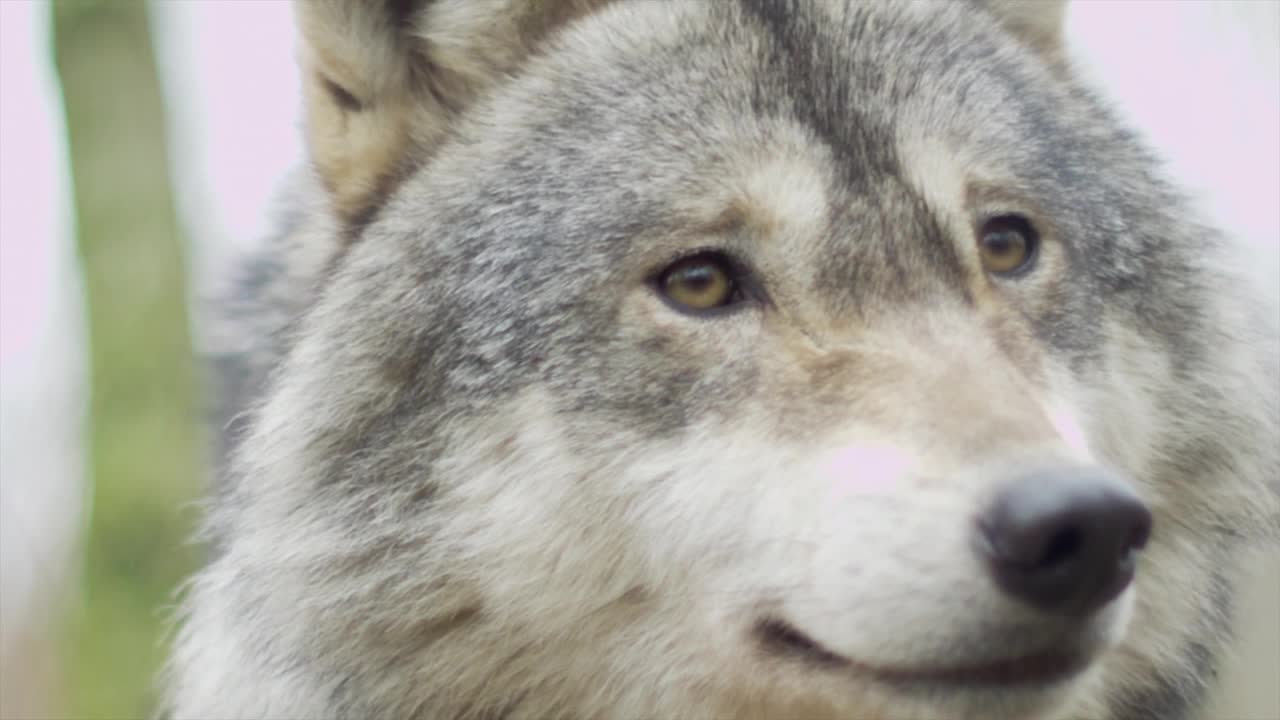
x: 1039, y: 23
x: 384, y: 79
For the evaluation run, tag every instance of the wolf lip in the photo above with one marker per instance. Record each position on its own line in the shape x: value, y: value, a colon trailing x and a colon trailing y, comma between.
x: 1042, y: 668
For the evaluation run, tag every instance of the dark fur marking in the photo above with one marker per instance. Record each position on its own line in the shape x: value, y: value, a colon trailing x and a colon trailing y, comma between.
x: 636, y: 595
x: 1170, y: 697
x: 1180, y: 696
x: 779, y: 638
x: 402, y: 11
x: 830, y: 109
x: 346, y: 691
x: 865, y: 153
x: 428, y: 633
x: 355, y: 224
x: 341, y: 96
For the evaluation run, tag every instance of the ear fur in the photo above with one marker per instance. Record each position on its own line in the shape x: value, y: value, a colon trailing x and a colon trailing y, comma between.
x: 1039, y: 23
x: 384, y: 79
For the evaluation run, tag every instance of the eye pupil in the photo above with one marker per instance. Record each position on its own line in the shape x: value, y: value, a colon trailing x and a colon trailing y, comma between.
x: 1001, y: 243
x: 701, y: 282
x: 696, y: 278
x: 1007, y: 245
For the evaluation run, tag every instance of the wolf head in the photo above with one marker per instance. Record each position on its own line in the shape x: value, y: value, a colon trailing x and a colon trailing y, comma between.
x: 730, y: 359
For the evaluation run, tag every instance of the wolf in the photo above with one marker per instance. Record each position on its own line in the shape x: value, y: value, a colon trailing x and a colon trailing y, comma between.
x: 726, y: 359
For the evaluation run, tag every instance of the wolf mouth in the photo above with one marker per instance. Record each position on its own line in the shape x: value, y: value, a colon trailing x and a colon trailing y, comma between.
x: 1043, y: 668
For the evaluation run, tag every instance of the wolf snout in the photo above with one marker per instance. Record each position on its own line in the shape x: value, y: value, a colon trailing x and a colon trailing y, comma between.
x: 1064, y: 541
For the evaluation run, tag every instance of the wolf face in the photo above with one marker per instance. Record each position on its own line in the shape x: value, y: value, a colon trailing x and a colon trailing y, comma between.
x: 728, y: 359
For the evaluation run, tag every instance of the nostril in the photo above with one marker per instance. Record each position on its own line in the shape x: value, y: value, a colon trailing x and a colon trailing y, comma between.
x: 1063, y: 545
x: 1141, y: 531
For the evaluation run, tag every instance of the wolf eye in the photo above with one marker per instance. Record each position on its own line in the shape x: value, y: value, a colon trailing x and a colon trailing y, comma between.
x: 700, y: 282
x: 1007, y: 245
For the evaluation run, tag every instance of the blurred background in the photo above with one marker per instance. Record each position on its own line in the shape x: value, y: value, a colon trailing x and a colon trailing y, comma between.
x: 140, y: 145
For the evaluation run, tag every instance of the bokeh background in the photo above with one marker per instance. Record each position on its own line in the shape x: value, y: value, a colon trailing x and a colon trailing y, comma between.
x: 140, y: 144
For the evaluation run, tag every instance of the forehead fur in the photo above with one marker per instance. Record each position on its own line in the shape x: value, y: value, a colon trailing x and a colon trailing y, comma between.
x: 562, y: 172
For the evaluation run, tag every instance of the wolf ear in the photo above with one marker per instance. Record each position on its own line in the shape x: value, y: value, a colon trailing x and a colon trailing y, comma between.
x: 1039, y: 23
x: 383, y: 80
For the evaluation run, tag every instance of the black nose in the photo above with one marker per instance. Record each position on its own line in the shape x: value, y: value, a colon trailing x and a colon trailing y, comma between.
x: 1064, y: 541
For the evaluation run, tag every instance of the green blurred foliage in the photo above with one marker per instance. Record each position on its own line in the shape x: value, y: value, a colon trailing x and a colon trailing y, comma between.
x: 146, y: 442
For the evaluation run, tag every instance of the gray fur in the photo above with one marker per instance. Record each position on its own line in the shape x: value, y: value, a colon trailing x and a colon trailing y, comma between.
x: 473, y: 468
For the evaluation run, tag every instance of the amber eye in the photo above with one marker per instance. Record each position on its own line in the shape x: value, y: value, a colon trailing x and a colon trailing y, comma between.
x: 701, y: 282
x: 1007, y: 245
